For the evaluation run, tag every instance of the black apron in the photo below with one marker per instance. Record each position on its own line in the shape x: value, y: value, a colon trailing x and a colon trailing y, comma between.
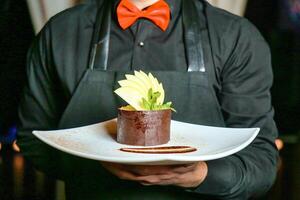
x: 94, y: 101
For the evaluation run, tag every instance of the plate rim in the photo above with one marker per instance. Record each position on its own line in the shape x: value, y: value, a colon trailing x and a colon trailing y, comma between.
x: 165, y: 158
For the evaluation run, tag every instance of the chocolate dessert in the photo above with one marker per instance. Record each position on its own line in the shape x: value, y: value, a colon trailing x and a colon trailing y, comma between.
x: 144, y: 128
x: 146, y: 120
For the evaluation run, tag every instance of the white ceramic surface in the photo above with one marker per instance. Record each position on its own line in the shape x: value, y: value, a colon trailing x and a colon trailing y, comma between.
x: 98, y: 142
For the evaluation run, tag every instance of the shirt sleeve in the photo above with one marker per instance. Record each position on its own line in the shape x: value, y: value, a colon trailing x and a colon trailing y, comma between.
x: 246, y: 79
x: 40, y: 109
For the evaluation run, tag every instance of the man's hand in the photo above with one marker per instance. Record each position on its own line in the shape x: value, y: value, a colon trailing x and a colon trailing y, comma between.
x: 186, y: 176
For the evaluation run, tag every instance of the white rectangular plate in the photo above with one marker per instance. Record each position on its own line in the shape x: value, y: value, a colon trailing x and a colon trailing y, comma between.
x: 98, y: 142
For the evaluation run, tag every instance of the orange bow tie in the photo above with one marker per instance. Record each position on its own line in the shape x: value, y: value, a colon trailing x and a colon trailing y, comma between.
x: 158, y: 13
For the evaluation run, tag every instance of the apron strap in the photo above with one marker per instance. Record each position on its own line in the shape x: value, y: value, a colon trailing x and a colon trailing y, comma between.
x: 101, y: 36
x: 192, y: 36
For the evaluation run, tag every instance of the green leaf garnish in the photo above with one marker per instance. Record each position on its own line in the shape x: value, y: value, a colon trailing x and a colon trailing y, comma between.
x: 151, y: 102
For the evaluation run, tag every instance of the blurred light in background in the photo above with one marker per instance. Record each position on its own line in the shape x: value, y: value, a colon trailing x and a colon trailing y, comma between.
x: 42, y: 10
x: 18, y: 173
x: 290, y: 15
x: 237, y: 7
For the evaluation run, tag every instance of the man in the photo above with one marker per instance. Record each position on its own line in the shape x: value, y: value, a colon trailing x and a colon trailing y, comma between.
x: 215, y: 67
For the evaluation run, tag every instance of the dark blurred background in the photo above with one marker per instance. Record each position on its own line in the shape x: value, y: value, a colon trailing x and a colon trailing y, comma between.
x: 279, y: 22
x: 16, y: 34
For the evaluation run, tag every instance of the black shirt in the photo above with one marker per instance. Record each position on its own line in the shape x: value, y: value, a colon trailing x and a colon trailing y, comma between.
x: 142, y: 45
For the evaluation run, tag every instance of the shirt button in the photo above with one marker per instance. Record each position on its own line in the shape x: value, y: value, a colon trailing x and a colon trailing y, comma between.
x: 141, y: 44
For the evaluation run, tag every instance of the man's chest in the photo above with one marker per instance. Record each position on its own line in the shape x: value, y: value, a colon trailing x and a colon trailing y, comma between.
x: 146, y: 47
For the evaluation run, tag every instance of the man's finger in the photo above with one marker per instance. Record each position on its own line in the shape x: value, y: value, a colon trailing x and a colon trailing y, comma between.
x: 120, y: 171
x: 156, y: 179
x: 124, y: 175
x: 141, y: 170
x: 150, y: 170
x: 184, y: 168
x: 161, y: 182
